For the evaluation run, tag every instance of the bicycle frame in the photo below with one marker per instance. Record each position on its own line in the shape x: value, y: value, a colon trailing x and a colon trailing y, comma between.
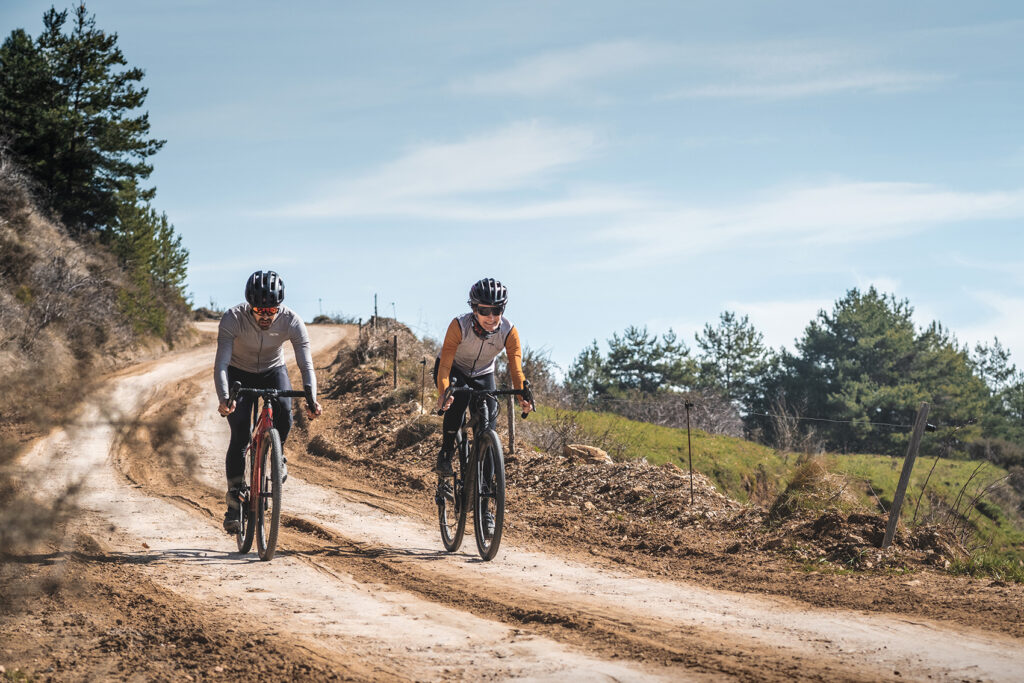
x: 480, y: 482
x: 263, y: 490
x: 262, y: 422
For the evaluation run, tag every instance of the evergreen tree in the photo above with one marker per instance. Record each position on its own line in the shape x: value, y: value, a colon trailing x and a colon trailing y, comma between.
x: 865, y: 366
x: 943, y: 370
x: 1005, y: 384
x: 68, y: 103
x: 638, y: 361
x: 587, y: 379
x: 734, y: 359
x: 151, y: 252
x: 28, y: 93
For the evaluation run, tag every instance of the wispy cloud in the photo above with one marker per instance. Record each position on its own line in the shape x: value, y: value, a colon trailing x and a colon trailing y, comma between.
x: 836, y: 213
x: 441, y: 179
x: 879, y: 82
x: 784, y: 70
x: 561, y: 70
x: 762, y: 70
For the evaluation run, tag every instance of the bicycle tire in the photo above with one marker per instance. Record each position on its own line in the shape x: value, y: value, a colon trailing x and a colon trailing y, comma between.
x: 489, y: 494
x: 268, y: 515
x: 451, y: 511
x: 246, y: 519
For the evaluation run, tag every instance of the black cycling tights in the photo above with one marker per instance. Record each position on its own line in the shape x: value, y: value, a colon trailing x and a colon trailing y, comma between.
x: 456, y: 415
x: 241, y: 419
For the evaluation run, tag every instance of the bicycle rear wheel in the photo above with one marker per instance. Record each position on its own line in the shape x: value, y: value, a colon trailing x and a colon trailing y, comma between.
x: 246, y: 517
x: 451, y: 502
x: 489, y: 495
x: 268, y: 507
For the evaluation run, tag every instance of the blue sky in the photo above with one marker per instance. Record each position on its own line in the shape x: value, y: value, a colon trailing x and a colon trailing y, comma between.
x: 648, y: 163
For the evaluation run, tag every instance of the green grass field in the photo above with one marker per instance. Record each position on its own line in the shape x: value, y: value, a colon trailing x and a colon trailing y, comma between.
x: 749, y: 472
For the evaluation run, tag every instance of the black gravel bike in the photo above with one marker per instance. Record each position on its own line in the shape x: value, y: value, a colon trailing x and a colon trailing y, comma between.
x: 259, y: 498
x: 479, y: 480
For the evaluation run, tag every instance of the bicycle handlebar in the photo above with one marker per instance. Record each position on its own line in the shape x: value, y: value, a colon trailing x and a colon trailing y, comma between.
x: 238, y: 390
x: 525, y: 392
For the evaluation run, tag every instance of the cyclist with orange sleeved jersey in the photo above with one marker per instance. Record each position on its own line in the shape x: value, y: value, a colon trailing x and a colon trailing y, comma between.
x: 471, y: 344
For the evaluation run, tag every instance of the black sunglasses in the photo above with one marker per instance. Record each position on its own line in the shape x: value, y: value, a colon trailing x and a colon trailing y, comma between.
x: 490, y: 310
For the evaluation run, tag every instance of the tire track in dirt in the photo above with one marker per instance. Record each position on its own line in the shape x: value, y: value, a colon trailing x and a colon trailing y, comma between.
x: 748, y: 643
x: 402, y: 635
x: 400, y: 571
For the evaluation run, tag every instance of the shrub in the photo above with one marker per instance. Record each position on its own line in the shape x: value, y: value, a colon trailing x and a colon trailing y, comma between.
x: 997, y: 451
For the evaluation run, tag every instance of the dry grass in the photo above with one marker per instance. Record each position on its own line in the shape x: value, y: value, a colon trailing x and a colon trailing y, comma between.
x: 813, y: 487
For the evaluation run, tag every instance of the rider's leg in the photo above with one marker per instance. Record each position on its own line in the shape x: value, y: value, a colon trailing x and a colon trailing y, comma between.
x: 234, y: 459
x: 278, y: 379
x: 239, y: 421
x: 487, y: 382
x: 453, y: 419
x: 452, y: 423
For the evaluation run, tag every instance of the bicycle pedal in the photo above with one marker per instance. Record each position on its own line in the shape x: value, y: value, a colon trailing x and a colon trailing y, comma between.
x: 444, y: 492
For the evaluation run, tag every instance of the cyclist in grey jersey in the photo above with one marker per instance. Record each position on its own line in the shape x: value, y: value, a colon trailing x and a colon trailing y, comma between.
x: 250, y: 350
x: 243, y: 344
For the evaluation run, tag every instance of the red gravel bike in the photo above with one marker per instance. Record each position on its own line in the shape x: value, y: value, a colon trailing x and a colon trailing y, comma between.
x: 259, y: 497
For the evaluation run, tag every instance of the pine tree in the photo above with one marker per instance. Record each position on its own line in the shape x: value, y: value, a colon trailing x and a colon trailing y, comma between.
x: 28, y: 91
x: 734, y: 358
x: 638, y: 361
x: 68, y: 101
x: 865, y: 367
x: 587, y: 379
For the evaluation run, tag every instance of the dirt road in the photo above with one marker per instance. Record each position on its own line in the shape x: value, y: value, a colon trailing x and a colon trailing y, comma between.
x: 360, y: 580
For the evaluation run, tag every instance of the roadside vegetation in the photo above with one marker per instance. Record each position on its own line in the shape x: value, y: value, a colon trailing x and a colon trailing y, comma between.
x: 92, y: 276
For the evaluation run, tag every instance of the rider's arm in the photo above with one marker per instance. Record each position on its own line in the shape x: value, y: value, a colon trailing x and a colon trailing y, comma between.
x: 226, y: 333
x: 514, y: 350
x: 452, y: 339
x: 303, y: 357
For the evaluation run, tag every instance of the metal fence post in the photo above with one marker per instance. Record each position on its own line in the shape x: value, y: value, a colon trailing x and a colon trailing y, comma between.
x: 689, y: 448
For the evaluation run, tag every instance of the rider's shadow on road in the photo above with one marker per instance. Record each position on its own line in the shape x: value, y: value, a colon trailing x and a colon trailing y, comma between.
x: 376, y: 552
x: 146, y: 557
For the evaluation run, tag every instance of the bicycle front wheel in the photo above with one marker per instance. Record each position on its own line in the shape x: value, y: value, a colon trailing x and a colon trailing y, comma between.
x: 268, y: 507
x: 246, y: 512
x: 451, y: 503
x: 489, y: 508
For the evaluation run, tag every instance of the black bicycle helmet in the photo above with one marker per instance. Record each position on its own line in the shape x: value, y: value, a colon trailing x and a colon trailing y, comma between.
x: 264, y: 288
x: 488, y: 292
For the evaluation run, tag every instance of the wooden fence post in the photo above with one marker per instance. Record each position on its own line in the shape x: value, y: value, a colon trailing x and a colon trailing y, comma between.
x: 511, y: 423
x: 394, y: 365
x: 908, y: 465
x: 423, y: 384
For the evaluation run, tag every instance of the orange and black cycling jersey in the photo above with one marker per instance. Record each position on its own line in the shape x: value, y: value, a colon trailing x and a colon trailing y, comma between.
x: 473, y: 355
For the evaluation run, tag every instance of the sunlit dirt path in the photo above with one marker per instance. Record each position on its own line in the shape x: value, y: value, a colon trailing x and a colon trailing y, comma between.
x: 369, y: 583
